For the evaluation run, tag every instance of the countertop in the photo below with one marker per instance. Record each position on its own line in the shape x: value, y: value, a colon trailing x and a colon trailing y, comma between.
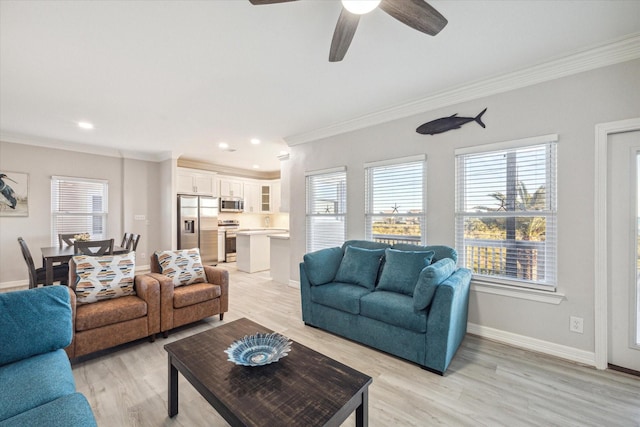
x: 260, y: 231
x: 282, y: 236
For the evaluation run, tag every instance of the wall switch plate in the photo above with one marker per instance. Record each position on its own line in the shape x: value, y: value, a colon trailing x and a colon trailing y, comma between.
x: 576, y: 324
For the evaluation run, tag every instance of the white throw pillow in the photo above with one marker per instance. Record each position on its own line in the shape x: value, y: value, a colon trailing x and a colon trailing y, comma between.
x: 104, y: 277
x: 184, y: 267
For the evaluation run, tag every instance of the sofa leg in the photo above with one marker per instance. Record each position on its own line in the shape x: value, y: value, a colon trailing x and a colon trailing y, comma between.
x: 221, y: 316
x: 165, y: 334
x: 152, y: 338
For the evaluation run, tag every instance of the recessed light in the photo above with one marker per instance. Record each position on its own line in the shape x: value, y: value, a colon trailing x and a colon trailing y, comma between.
x: 256, y: 166
x: 85, y: 125
x: 284, y: 153
x: 255, y: 141
x: 223, y: 145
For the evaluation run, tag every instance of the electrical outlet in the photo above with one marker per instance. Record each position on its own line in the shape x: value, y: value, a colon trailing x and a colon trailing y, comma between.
x: 576, y: 324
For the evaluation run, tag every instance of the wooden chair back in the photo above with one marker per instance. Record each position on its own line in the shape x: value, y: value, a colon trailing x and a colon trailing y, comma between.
x: 93, y: 247
x: 66, y: 239
x: 26, y: 254
x: 132, y: 244
x: 125, y: 240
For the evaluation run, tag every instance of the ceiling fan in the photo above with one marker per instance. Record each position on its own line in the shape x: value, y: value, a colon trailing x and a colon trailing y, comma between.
x: 417, y: 14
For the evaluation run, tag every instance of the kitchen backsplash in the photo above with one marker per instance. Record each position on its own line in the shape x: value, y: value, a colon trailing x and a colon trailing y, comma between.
x: 247, y: 220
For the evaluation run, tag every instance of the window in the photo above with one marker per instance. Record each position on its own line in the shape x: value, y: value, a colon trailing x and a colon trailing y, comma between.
x: 326, y: 208
x: 395, y: 200
x: 506, y: 212
x: 78, y: 205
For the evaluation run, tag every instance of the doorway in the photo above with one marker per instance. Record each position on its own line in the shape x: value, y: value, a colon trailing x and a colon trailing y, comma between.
x: 622, y: 247
x: 601, y: 270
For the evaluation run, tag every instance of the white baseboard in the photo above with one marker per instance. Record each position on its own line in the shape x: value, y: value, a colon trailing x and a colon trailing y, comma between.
x: 534, y: 344
x: 294, y: 284
x: 14, y: 285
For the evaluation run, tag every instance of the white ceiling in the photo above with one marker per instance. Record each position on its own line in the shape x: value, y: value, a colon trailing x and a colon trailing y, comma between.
x: 161, y: 78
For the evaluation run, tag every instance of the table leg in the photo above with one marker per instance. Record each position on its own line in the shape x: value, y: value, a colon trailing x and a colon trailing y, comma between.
x: 173, y: 389
x: 49, y: 271
x: 362, y: 411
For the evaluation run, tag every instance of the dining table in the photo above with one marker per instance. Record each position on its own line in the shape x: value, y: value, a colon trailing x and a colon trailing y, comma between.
x: 54, y: 254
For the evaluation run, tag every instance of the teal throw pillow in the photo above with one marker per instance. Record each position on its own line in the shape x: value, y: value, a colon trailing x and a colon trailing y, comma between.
x: 441, y: 251
x: 401, y: 270
x: 360, y: 266
x: 429, y: 280
x: 321, y: 266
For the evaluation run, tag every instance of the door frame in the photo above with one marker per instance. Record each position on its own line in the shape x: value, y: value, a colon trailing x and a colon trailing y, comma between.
x: 601, y: 315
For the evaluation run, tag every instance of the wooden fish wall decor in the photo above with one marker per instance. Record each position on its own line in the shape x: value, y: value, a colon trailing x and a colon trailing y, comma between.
x: 445, y: 124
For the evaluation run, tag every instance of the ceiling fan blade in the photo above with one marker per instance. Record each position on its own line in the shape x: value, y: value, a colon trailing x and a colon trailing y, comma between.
x: 417, y: 14
x: 343, y: 34
x: 259, y: 2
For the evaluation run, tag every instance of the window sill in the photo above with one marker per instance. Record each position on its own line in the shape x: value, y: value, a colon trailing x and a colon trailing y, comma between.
x: 514, y: 292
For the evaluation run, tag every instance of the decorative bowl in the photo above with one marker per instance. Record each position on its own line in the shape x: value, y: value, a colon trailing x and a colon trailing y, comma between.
x: 259, y: 349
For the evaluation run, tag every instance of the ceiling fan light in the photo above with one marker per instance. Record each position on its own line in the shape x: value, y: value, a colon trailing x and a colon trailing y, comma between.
x: 360, y: 7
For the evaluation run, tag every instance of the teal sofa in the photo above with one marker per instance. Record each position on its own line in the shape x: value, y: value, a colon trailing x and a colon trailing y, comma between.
x: 37, y: 387
x: 407, y: 300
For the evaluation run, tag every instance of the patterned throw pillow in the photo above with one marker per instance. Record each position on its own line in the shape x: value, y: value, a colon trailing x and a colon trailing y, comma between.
x: 104, y: 277
x: 184, y: 267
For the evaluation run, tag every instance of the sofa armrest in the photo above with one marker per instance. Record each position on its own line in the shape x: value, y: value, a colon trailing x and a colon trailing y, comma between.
x: 71, y: 348
x: 305, y: 295
x: 447, y: 320
x: 148, y: 288
x: 219, y: 276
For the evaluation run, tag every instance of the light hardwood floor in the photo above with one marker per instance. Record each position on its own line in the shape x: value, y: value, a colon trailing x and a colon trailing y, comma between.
x: 487, y: 384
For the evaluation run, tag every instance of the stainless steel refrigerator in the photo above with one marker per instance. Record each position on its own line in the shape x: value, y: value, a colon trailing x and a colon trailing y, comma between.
x: 198, y: 226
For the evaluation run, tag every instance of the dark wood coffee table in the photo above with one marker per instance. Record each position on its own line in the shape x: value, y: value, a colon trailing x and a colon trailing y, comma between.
x: 305, y: 388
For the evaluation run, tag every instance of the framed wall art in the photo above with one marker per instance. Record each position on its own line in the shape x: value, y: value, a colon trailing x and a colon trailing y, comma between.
x: 14, y: 193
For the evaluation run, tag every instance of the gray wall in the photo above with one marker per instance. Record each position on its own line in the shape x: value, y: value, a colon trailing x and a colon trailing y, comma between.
x: 133, y: 190
x: 569, y: 107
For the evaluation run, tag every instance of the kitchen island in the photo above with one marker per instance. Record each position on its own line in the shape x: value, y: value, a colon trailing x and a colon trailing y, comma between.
x: 253, y: 249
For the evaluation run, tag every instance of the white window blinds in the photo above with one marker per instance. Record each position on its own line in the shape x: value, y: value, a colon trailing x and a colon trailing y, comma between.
x: 326, y: 193
x: 506, y: 212
x: 78, y: 205
x: 395, y: 201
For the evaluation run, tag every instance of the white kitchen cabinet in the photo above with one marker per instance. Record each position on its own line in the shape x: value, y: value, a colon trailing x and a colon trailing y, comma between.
x: 231, y: 187
x: 252, y: 197
x: 191, y: 181
x: 265, y: 198
x: 221, y: 254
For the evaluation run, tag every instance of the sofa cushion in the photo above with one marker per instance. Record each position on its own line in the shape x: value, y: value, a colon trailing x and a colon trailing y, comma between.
x: 104, y: 277
x: 109, y: 312
x: 321, y: 266
x: 428, y: 281
x: 393, y: 308
x: 71, y: 410
x: 360, y: 266
x: 35, y: 381
x: 441, y: 251
x: 185, y: 296
x: 34, y: 321
x: 184, y: 267
x: 341, y: 296
x: 401, y: 270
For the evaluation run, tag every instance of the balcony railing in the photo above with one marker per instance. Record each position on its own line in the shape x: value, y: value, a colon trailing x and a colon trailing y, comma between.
x: 392, y: 239
x: 521, y: 259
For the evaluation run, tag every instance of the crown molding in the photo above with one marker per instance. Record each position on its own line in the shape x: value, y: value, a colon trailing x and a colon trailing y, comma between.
x: 45, y: 142
x: 618, y: 51
x: 186, y: 162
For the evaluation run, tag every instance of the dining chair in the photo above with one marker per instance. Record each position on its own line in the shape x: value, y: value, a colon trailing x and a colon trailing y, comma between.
x: 132, y: 244
x: 125, y: 240
x: 37, y: 276
x: 66, y: 239
x: 93, y: 247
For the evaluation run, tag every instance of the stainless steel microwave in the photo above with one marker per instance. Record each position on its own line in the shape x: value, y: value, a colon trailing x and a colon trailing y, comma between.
x: 231, y: 204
